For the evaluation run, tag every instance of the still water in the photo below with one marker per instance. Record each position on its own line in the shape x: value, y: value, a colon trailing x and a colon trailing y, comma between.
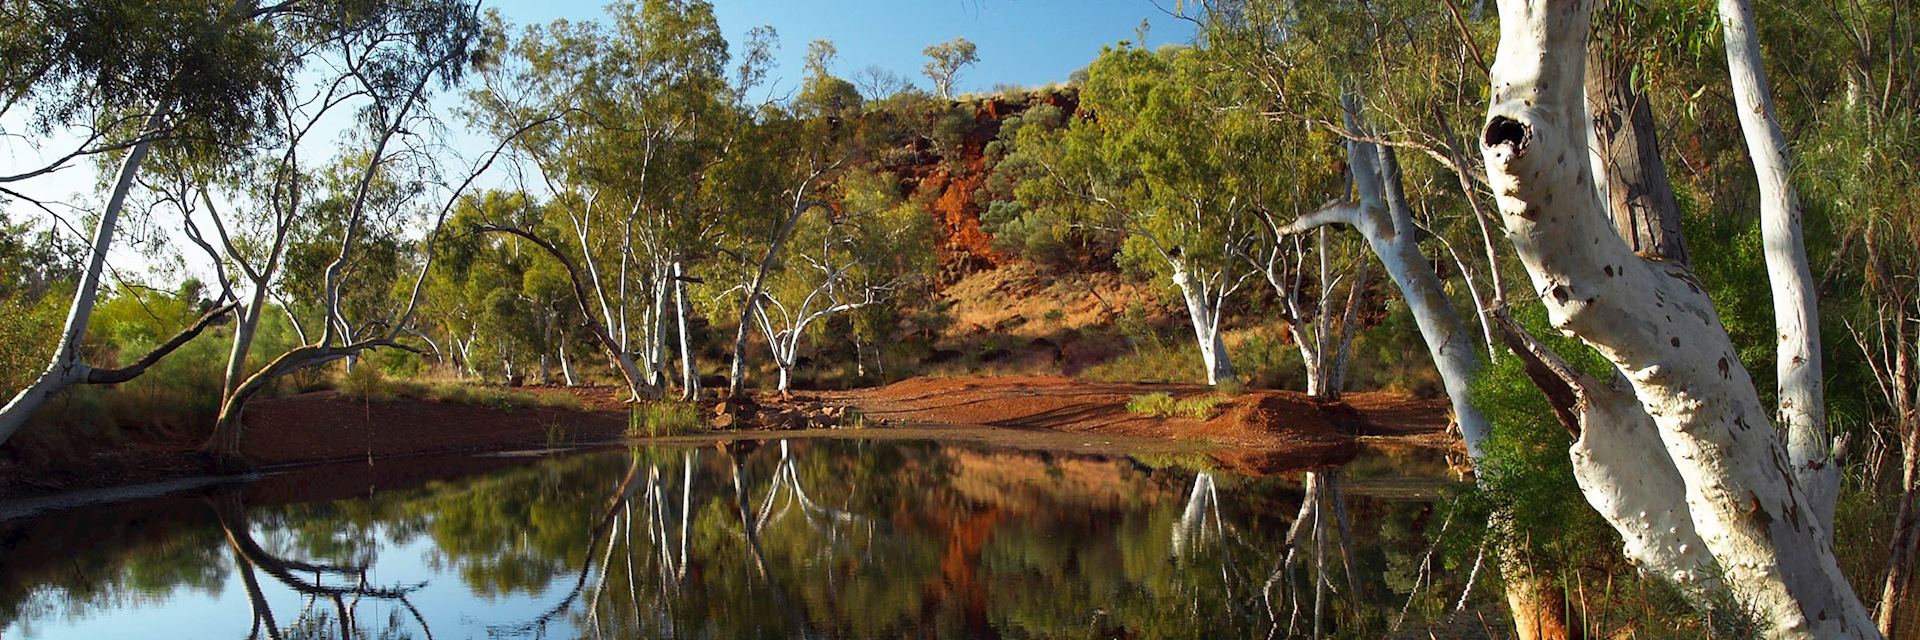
x: 801, y: 539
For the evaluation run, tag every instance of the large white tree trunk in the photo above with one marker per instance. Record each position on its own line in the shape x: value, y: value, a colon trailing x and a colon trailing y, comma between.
x: 1796, y: 313
x: 1622, y: 467
x: 1206, y: 325
x: 657, y: 327
x: 1625, y: 473
x: 1383, y: 217
x: 66, y: 368
x: 1658, y: 327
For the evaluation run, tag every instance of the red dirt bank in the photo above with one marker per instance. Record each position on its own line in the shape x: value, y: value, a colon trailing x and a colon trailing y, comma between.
x: 1259, y: 431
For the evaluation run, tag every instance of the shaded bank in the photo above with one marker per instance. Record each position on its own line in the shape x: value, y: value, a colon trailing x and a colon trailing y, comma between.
x: 1256, y: 432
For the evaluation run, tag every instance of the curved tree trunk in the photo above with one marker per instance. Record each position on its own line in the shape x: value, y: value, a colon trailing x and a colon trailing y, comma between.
x: 757, y: 285
x: 66, y: 368
x: 622, y: 361
x: 1619, y: 462
x: 244, y: 328
x: 1796, y: 312
x: 1382, y: 216
x: 1659, y: 328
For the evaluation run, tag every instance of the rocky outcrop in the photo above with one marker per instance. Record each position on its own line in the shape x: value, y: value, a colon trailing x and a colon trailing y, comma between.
x: 948, y: 182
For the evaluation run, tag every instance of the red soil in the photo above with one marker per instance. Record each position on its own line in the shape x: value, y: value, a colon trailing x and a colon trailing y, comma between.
x: 1260, y: 431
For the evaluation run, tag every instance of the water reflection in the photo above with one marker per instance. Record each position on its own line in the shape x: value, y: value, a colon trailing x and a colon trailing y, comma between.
x: 805, y: 539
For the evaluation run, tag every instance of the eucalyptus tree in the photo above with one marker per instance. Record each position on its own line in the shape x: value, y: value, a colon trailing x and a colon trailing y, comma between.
x: 647, y: 110
x: 944, y: 62
x: 1170, y: 162
x: 1657, y: 325
x: 865, y: 251
x: 247, y: 202
x: 501, y: 296
x: 383, y: 176
x: 779, y: 168
x: 124, y: 78
x: 1640, y: 497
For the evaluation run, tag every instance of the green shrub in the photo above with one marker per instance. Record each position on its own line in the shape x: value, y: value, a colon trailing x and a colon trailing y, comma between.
x: 1152, y: 404
x: 1199, y: 407
x: 1192, y: 460
x: 1393, y: 356
x: 854, y: 419
x: 1526, y: 471
x: 1267, y: 360
x: 363, y: 382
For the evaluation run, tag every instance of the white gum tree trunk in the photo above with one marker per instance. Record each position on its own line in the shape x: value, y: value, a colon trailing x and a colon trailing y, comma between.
x: 66, y: 368
x: 657, y: 325
x: 1623, y: 471
x: 1204, y: 312
x: 756, y: 286
x: 1796, y: 314
x: 1653, y: 321
x: 689, y: 375
x: 566, y: 366
x: 1382, y: 216
x: 1322, y: 352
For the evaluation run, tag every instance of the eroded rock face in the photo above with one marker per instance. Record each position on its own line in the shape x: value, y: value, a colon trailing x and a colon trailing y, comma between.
x: 947, y: 187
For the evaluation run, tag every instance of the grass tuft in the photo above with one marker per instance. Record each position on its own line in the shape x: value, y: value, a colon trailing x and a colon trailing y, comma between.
x: 1152, y: 404
x: 1203, y: 407
x: 1199, y: 407
x: 663, y: 418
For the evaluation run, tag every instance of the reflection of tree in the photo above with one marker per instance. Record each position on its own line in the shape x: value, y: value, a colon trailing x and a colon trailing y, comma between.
x: 1323, y: 511
x: 786, y: 483
x: 120, y: 557
x: 835, y: 539
x: 1192, y: 527
x: 604, y: 525
x: 250, y: 558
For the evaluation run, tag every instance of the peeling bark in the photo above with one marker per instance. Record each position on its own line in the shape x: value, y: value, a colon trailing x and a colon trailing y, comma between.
x: 1633, y: 177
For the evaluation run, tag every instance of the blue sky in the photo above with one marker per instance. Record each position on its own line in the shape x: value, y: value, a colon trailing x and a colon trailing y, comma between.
x: 1021, y: 42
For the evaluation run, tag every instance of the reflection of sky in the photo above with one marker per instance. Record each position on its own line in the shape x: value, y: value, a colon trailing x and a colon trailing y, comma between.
x: 453, y: 609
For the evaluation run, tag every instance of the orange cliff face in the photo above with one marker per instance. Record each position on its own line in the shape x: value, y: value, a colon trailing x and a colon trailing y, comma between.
x: 948, y: 187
